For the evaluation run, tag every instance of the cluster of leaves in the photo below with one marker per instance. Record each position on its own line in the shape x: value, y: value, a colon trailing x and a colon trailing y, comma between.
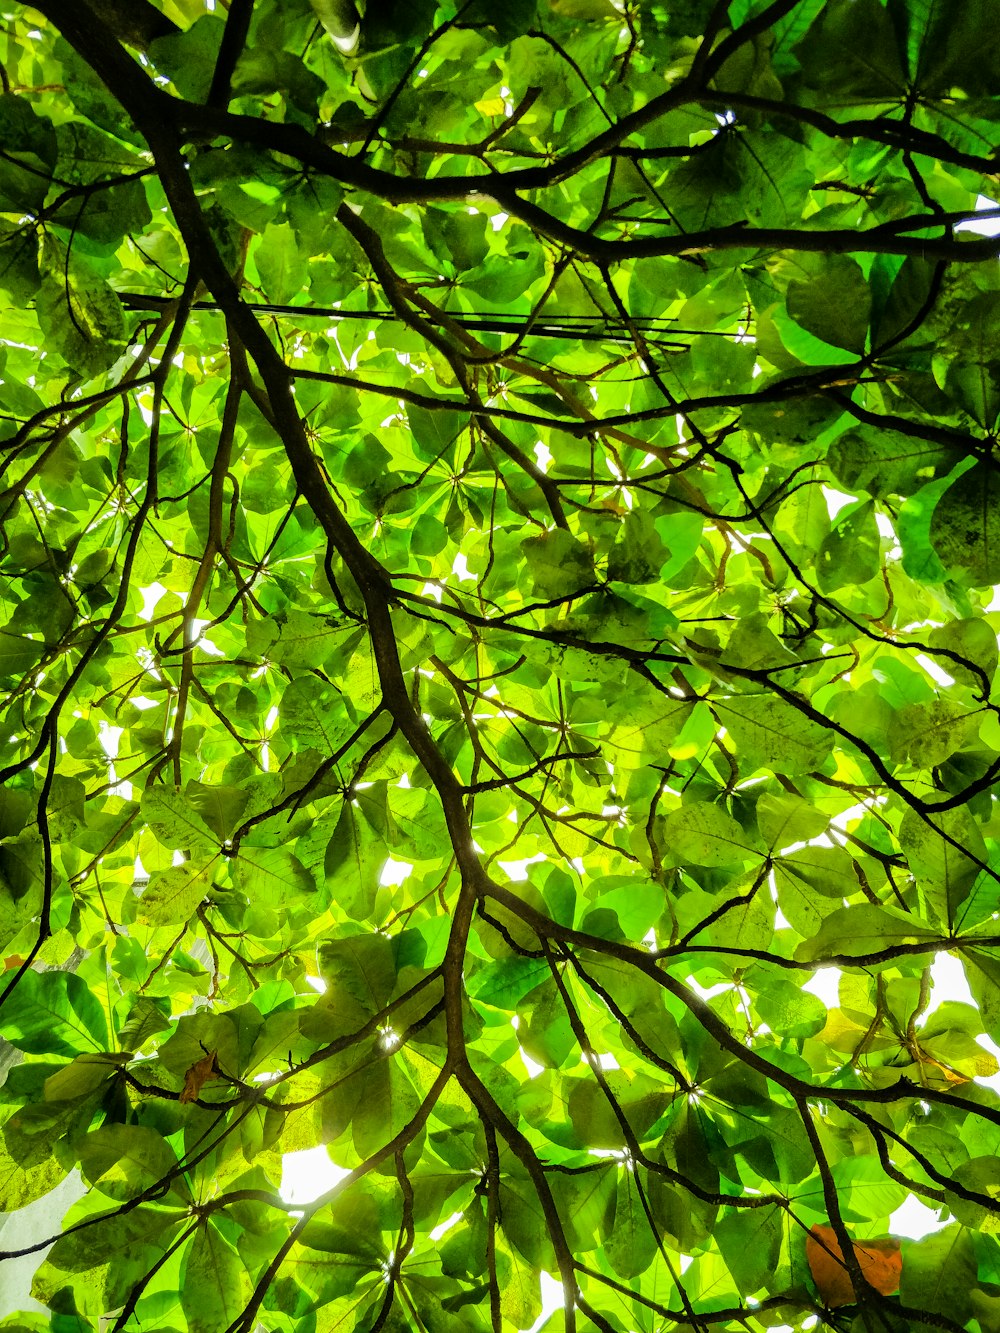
x: 419, y: 580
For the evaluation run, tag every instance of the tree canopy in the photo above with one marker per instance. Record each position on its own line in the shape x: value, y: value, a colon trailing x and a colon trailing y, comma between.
x: 499, y: 532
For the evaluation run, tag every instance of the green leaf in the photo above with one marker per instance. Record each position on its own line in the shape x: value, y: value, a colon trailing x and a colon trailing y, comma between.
x: 703, y: 834
x: 850, y: 554
x: 887, y: 462
x: 124, y: 1160
x: 314, y: 714
x: 946, y: 851
x: 54, y: 1013
x: 832, y: 300
x: 965, y: 530
x: 788, y: 1010
x: 865, y: 929
x: 215, y: 1284
x: 80, y: 317
x: 353, y: 863
x: 18, y: 654
x: 750, y: 1241
x: 29, y: 155
x: 172, y: 895
x: 174, y: 820
x: 147, y: 1015
x: 558, y: 564
x: 189, y: 57
x: 278, y: 262
x: 939, y: 1272
x: 772, y: 733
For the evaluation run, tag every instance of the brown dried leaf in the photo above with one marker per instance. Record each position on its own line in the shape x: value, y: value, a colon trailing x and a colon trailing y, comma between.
x: 879, y: 1260
x: 197, y: 1076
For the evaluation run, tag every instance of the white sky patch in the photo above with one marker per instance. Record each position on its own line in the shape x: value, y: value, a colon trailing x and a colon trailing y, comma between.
x: 307, y: 1174
x: 825, y: 983
x: 460, y: 568
x: 949, y: 982
x: 432, y: 590
x: 543, y: 455
x: 518, y: 870
x: 109, y: 737
x: 983, y: 226
x: 914, y: 1219
x: 532, y: 1066
x: 317, y: 983
x: 552, y: 1300
x: 600, y: 1061
x: 935, y: 672
x: 445, y: 1226
x: 885, y: 529
x: 707, y: 992
x: 394, y: 873
x: 151, y: 594
x: 836, y: 501
x: 198, y: 628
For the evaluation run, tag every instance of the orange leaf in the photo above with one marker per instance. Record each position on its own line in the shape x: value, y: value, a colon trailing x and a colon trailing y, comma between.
x: 197, y: 1076
x: 879, y: 1260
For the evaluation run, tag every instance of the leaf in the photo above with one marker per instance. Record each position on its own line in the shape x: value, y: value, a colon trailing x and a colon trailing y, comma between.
x: 771, y: 733
x: 174, y: 820
x: 146, y: 1016
x: 965, y: 529
x: 215, y: 1285
x: 54, y: 1013
x: 81, y: 317
x: 850, y: 554
x: 172, y: 895
x: 942, y: 1269
x: 314, y: 713
x: 886, y: 463
x: 784, y: 820
x: 268, y: 873
x: 29, y: 156
x: 790, y: 1011
x: 750, y: 1241
x: 18, y: 654
x: 124, y: 1160
x: 703, y: 834
x: 82, y: 1076
x: 353, y: 863
x: 880, y: 1261
x: 832, y: 300
x: 631, y: 1245
x: 927, y: 734
x: 865, y: 929
x: 278, y: 262
x: 197, y: 1076
x: 945, y: 851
